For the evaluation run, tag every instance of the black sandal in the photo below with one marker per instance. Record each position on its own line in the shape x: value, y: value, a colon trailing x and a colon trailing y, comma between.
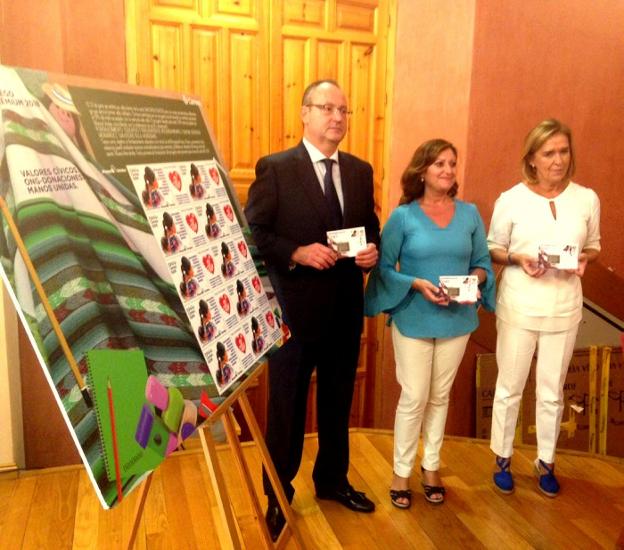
x: 396, y: 494
x: 434, y: 490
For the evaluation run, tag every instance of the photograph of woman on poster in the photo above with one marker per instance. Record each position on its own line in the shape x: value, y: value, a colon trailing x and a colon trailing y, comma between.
x: 212, y: 227
x: 196, y: 188
x: 170, y: 242
x: 207, y: 328
x: 151, y: 196
x: 227, y: 267
x: 257, y: 344
x: 61, y: 106
x: 243, y: 306
x: 224, y: 372
x: 188, y: 286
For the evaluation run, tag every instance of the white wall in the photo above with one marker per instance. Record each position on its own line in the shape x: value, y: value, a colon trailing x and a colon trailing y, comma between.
x: 11, y: 433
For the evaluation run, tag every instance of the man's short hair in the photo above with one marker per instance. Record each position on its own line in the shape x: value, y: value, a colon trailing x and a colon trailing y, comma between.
x: 313, y: 86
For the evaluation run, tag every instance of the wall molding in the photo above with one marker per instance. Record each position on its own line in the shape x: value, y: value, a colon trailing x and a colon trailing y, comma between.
x: 11, y: 431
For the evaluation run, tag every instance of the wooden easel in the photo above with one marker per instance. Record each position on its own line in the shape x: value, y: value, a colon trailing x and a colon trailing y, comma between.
x: 232, y: 533
x: 231, y: 537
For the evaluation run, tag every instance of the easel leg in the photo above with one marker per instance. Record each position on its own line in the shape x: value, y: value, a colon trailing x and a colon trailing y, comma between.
x: 231, y: 538
x: 230, y: 431
x: 138, y: 510
x: 256, y: 434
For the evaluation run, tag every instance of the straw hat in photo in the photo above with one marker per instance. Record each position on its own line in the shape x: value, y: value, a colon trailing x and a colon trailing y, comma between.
x: 59, y: 95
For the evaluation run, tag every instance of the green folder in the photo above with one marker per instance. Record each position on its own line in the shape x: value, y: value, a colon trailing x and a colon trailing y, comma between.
x: 126, y: 372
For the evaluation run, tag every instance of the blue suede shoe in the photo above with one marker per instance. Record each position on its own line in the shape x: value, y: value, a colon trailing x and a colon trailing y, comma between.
x: 548, y: 483
x: 503, y: 480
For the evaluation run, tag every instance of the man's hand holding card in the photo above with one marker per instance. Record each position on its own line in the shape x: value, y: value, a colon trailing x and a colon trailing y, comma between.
x: 351, y: 243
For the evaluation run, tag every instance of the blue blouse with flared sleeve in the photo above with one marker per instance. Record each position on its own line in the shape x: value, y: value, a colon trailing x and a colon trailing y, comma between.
x: 413, y: 246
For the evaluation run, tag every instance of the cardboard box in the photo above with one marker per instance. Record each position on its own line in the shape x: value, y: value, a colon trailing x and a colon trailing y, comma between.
x: 593, y: 418
x: 613, y: 420
x: 578, y: 428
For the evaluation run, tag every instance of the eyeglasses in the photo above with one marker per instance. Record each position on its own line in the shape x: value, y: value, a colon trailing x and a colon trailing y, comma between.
x: 329, y: 109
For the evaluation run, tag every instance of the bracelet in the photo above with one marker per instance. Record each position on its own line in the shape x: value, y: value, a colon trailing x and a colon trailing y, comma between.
x: 509, y: 262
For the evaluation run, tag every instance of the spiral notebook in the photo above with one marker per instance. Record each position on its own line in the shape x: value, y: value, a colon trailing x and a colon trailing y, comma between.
x: 117, y: 380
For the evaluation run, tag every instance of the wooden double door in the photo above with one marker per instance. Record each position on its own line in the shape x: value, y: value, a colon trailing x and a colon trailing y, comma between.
x: 249, y: 61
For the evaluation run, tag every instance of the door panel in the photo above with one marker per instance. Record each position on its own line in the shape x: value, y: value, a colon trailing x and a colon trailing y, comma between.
x: 246, y: 105
x: 303, y: 12
x: 190, y: 4
x: 361, y: 75
x: 166, y: 59
x: 235, y: 7
x: 205, y: 53
x: 294, y: 78
x: 329, y: 59
x: 356, y: 16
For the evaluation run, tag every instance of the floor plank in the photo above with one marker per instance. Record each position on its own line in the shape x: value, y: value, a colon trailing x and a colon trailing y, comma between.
x: 86, y: 527
x: 8, y: 483
x: 17, y: 513
x: 52, y: 512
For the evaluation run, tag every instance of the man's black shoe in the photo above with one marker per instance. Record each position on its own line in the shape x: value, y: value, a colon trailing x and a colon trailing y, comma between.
x: 275, y: 521
x: 349, y: 497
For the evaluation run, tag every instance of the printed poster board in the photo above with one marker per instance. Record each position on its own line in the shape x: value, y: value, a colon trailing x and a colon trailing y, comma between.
x: 132, y: 227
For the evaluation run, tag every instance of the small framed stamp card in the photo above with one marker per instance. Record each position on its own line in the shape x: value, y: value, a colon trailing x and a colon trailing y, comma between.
x: 558, y: 256
x: 347, y: 242
x: 460, y: 288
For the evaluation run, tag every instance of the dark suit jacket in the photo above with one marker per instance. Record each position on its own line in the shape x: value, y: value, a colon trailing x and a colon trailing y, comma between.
x: 286, y: 208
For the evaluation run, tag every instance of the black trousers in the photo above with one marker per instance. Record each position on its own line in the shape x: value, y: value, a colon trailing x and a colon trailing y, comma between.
x: 335, y: 357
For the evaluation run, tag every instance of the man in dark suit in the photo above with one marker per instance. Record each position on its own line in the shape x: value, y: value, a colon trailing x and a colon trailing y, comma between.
x: 298, y: 195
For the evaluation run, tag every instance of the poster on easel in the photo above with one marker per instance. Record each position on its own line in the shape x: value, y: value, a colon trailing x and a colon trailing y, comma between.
x: 130, y: 264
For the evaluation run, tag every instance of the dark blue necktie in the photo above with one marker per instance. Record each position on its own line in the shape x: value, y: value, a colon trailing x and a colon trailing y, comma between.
x: 335, y: 212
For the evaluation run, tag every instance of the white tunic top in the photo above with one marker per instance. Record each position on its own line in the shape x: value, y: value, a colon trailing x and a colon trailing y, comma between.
x: 523, y: 220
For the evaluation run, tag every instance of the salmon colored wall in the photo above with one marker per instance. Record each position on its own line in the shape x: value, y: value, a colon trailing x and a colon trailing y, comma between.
x: 433, y: 61
x: 532, y: 60
x: 85, y: 38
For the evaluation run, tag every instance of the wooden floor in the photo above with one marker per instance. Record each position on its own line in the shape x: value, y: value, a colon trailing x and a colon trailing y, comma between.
x: 58, y: 508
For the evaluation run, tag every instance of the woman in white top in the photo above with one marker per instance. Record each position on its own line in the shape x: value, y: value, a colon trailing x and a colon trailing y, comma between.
x: 537, y: 303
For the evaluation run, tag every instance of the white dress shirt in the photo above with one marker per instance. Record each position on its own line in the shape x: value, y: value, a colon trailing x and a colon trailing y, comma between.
x: 319, y: 167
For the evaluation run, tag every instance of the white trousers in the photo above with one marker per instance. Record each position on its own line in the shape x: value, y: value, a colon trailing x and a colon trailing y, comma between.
x: 425, y: 369
x: 514, y: 351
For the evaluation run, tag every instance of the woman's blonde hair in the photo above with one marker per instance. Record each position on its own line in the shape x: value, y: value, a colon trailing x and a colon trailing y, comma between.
x: 536, y: 138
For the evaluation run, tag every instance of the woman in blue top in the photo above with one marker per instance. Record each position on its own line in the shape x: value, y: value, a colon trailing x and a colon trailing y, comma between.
x: 430, y: 234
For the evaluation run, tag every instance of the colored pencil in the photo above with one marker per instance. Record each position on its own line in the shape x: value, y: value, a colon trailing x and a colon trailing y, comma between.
x: 111, y: 409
